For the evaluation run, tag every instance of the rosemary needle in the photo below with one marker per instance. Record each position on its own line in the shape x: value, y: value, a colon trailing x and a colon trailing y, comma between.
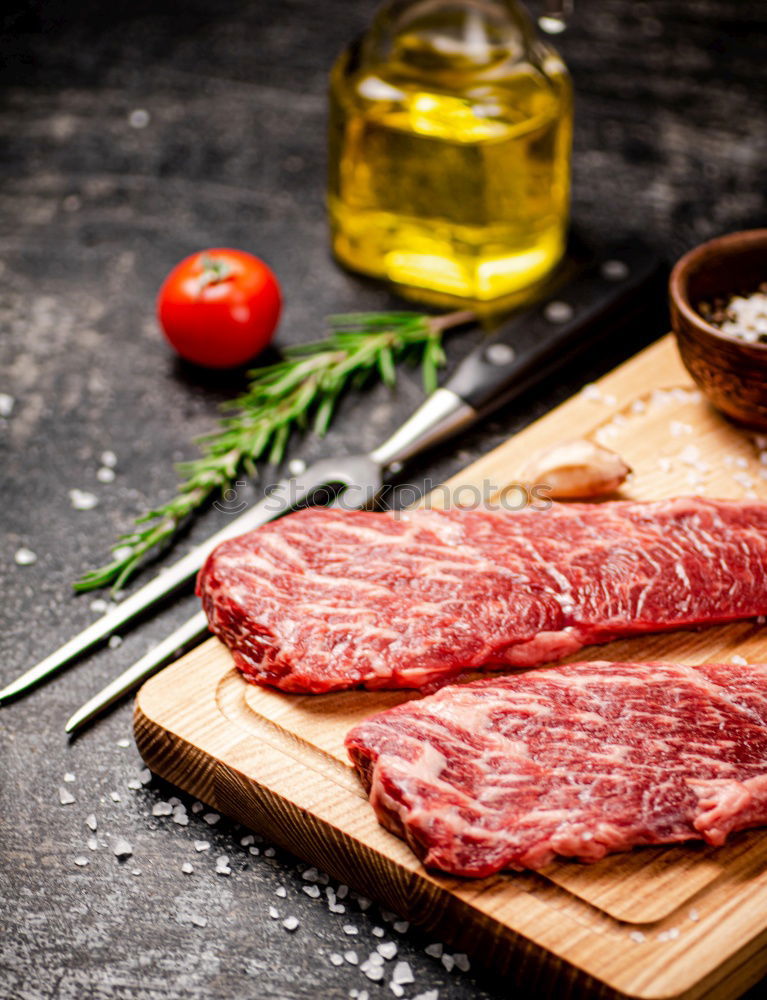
x: 299, y: 392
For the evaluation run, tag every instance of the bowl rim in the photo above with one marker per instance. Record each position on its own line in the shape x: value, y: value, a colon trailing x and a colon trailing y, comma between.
x: 729, y: 242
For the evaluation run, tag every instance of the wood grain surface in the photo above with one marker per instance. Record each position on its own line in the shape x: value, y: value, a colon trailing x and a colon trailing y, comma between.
x: 687, y: 921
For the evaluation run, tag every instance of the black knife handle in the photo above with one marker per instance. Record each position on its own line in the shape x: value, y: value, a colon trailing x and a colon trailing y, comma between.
x: 539, y: 341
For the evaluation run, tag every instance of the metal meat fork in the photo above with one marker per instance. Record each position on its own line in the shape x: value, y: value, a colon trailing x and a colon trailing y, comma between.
x: 517, y: 355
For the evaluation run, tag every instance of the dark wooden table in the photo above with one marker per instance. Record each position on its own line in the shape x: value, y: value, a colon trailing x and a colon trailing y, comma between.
x: 133, y: 134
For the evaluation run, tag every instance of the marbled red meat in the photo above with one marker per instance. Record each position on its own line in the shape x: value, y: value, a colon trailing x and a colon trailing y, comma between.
x: 576, y: 761
x: 328, y: 599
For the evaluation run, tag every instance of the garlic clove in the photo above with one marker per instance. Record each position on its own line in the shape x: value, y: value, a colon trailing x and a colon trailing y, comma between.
x: 576, y: 470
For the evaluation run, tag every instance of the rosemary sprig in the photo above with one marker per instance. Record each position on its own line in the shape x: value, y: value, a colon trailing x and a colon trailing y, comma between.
x: 300, y: 392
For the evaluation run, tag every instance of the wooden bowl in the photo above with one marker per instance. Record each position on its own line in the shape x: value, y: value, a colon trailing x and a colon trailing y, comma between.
x: 731, y: 372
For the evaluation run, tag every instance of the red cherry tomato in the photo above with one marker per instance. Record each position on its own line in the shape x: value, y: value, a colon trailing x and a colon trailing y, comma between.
x: 219, y: 307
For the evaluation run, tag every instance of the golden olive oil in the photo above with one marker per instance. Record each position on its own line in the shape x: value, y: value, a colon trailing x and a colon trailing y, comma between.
x: 450, y: 150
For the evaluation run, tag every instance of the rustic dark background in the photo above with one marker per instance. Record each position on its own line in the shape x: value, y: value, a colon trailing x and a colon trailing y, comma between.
x: 671, y: 142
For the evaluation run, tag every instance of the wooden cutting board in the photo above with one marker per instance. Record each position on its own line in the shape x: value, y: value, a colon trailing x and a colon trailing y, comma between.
x: 685, y: 921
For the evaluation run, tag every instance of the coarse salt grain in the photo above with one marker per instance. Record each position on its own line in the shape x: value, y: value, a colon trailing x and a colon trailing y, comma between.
x: 396, y: 989
x: 66, y: 798
x: 198, y: 920
x: 211, y: 818
x: 273, y: 913
x: 99, y: 606
x: 187, y: 868
x: 693, y: 914
x: 434, y: 950
x: 311, y: 890
x: 115, y: 641
x: 82, y: 500
x: 254, y: 850
x: 462, y: 961
x: 81, y: 861
x: 281, y: 891
x: 122, y: 848
x: 378, y: 932
x: 342, y: 891
x: 115, y: 796
x: 387, y: 949
x: 145, y: 776
x: 69, y: 777
x: 428, y: 995
x: 738, y: 660
x: 350, y: 929
x: 351, y: 957
x: 6, y: 404
x: 202, y: 845
x: 448, y: 961
x: 246, y: 841
x: 92, y: 844
x: 197, y: 807
x: 336, y: 959
x: 401, y: 926
x: 402, y: 974
x: 139, y: 118
x: 134, y: 784
x: 162, y: 809
x: 310, y: 875
x: 109, y: 459
x: 91, y: 822
x: 290, y: 923
x: 24, y: 556
x: 364, y: 903
x: 269, y: 852
x: 637, y: 936
x: 123, y: 743
x: 105, y: 475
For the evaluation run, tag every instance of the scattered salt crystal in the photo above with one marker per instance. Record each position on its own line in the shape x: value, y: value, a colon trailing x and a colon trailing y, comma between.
x: 187, y: 868
x: 115, y: 796
x: 162, y: 809
x: 82, y: 500
x: 273, y: 913
x: 197, y: 807
x: 428, y: 995
x: 222, y: 865
x: 336, y: 907
x: 396, y: 989
x: 124, y: 742
x: 373, y: 972
x: 246, y: 841
x: 693, y: 914
x: 364, y: 903
x: 637, y: 936
x: 677, y: 428
x: 402, y: 974
x: 269, y: 852
x: 741, y: 462
x: 378, y: 932
x: 591, y: 391
x: 134, y: 784
x: 336, y: 959
x: 435, y: 950
x: 387, y: 949
x: 6, y: 404
x: 25, y: 556
x: 673, y: 933
x: 198, y: 920
x: 310, y: 875
x: 66, y: 798
x: 109, y: 459
x: 350, y: 929
x: 254, y: 850
x: 663, y: 936
x: 69, y: 777
x: 351, y: 957
x: 120, y: 553
x: 281, y: 891
x: 401, y: 926
x: 145, y: 776
x: 311, y: 890
x: 139, y: 118
x: 174, y: 801
x: 105, y: 475
x: 90, y: 821
x: 92, y: 844
x: 740, y: 661
x: 689, y: 455
x: 296, y: 466
x: 81, y: 861
x: 388, y: 916
x: 180, y: 817
x: 290, y: 923
x: 115, y: 642
x: 201, y: 845
x: 664, y: 464
x: 448, y: 961
x: 462, y: 961
x: 638, y: 406
x: 99, y: 606
x: 211, y: 818
x: 343, y: 891
x: 122, y: 848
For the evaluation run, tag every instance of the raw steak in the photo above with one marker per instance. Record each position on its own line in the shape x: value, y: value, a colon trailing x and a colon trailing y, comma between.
x: 577, y: 761
x: 330, y: 599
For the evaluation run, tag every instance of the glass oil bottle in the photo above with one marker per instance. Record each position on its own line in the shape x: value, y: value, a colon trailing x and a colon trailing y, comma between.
x: 450, y: 130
